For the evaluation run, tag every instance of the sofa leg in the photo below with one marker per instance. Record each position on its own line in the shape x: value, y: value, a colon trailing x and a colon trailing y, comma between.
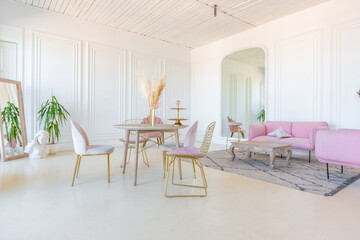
x: 342, y: 169
x: 327, y: 170
x: 309, y: 156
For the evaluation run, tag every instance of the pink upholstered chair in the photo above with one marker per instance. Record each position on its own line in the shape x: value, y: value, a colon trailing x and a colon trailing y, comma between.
x: 195, y: 154
x: 83, y: 148
x: 152, y: 135
x: 234, y: 127
x: 132, y: 142
x: 131, y: 146
x: 189, y: 142
x: 341, y: 147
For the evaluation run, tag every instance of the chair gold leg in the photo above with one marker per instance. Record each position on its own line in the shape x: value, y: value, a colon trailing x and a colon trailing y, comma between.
x: 129, y: 156
x: 144, y: 157
x: 203, y: 175
x: 77, y: 161
x: 164, y: 162
x: 167, y: 163
x: 78, y: 168
x: 167, y: 178
x: 198, y: 163
x: 167, y: 183
x: 172, y: 162
x: 108, y: 162
x: 128, y: 161
x: 194, y: 168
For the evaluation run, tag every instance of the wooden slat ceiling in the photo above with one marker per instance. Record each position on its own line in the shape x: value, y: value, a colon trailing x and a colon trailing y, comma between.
x: 189, y: 23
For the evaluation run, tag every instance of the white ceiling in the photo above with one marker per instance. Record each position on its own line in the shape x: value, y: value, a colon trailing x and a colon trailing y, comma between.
x: 189, y: 23
x: 251, y: 56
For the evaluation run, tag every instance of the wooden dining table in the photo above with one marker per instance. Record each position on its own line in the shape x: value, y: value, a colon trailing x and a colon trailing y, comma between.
x: 146, y: 128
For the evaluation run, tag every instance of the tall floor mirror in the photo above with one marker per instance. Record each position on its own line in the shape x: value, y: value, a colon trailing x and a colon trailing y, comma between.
x: 243, y: 88
x: 12, y: 121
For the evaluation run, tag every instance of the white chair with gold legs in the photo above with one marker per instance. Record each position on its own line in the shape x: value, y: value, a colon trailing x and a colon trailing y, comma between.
x: 83, y: 148
x: 194, y: 154
x: 132, y: 146
x: 189, y: 141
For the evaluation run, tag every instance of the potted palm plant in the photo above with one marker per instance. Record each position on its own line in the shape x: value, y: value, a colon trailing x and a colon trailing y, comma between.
x: 54, y: 115
x: 261, y: 116
x: 10, y: 117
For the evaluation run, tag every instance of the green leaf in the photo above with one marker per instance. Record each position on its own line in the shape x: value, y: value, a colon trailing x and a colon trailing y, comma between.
x: 53, y: 115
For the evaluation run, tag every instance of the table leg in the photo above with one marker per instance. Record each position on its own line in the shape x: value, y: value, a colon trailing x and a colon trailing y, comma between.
x: 288, y: 157
x: 162, y: 138
x: 136, y: 156
x: 126, y: 148
x: 178, y: 145
x: 164, y: 153
x: 232, y: 148
x: 272, y: 159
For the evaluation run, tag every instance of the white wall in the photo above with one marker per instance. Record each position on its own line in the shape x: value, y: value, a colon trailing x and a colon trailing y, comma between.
x: 90, y: 68
x: 312, y: 67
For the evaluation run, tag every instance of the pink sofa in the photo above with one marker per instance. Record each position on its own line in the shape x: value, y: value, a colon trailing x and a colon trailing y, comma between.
x: 341, y: 147
x: 303, y: 133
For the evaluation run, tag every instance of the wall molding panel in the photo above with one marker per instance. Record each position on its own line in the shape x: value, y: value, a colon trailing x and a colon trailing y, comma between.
x: 107, y: 74
x: 152, y: 66
x: 56, y: 70
x: 345, y: 74
x: 178, y: 87
x: 288, y: 71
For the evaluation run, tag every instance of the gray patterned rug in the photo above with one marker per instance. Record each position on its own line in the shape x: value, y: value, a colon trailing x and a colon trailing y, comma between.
x: 301, y: 175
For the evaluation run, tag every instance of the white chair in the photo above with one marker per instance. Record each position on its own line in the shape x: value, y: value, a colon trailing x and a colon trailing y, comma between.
x: 188, y: 142
x: 83, y: 148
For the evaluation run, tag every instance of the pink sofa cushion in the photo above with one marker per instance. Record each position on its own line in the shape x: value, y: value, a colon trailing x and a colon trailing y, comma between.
x: 297, y: 143
x: 313, y: 133
x: 303, y: 129
x: 340, y: 147
x: 256, y: 131
x: 274, y: 125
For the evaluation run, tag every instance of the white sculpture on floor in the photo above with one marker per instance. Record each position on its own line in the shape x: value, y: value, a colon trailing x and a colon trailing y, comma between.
x: 38, y: 148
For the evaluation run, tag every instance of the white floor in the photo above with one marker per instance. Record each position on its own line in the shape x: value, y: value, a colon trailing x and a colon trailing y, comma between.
x: 38, y: 202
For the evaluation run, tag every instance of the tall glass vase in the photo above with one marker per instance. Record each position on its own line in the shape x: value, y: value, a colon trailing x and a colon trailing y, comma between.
x: 152, y: 117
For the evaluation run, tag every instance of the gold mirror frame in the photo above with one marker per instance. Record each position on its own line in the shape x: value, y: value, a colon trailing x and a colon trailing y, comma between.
x: 22, y: 122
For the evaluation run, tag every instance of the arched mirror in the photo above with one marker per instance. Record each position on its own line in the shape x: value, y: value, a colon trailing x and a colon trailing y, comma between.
x: 243, y: 90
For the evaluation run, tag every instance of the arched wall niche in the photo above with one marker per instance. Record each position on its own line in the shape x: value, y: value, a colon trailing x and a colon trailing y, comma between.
x: 243, y: 87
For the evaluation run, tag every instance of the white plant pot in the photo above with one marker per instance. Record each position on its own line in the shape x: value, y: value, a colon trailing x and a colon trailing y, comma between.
x: 53, y: 148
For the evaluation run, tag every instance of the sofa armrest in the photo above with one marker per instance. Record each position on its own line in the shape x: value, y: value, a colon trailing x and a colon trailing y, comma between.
x: 256, y: 131
x: 313, y: 132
